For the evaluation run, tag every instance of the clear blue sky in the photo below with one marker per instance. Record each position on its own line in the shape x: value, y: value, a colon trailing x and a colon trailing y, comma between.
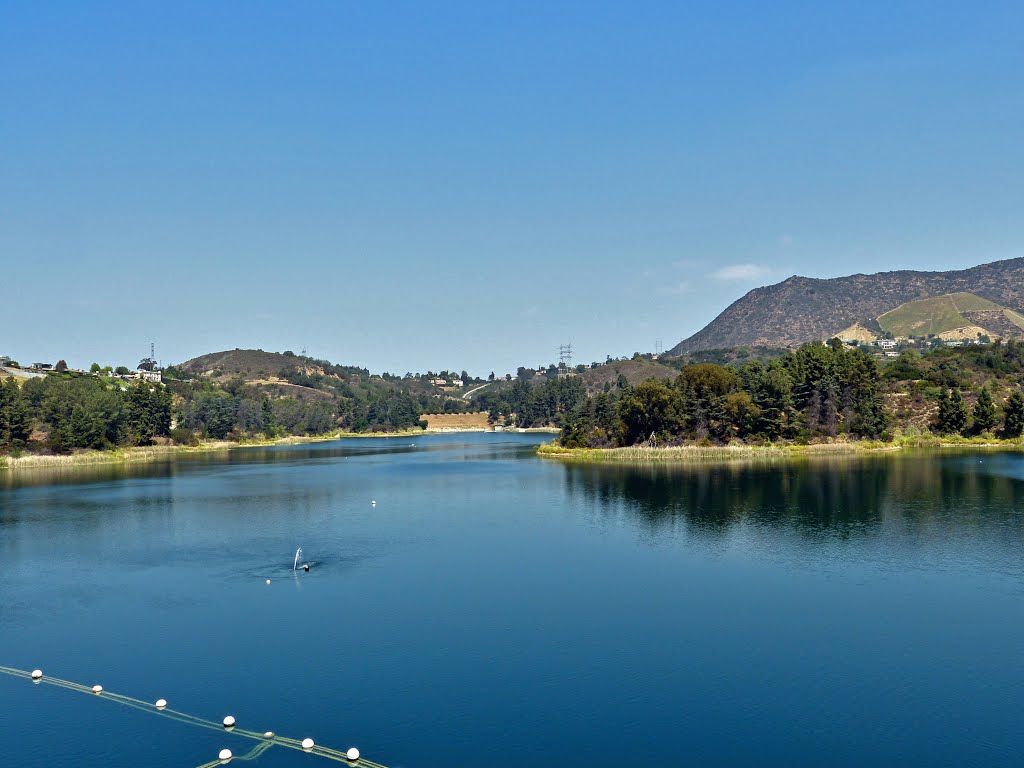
x: 468, y: 185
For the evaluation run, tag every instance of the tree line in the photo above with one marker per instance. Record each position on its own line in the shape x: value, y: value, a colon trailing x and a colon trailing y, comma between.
x: 82, y: 412
x: 59, y: 413
x: 818, y: 391
x: 528, y: 404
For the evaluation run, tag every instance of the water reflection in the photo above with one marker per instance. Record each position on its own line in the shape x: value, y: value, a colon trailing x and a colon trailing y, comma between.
x: 841, y: 495
x: 447, y: 448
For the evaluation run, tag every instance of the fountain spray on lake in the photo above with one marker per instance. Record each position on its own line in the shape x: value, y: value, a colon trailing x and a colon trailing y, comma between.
x: 298, y: 554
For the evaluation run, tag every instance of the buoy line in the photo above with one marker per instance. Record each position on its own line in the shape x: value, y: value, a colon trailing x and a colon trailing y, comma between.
x: 267, y: 739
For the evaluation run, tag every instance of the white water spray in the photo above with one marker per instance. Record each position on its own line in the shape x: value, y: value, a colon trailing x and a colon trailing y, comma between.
x: 298, y: 554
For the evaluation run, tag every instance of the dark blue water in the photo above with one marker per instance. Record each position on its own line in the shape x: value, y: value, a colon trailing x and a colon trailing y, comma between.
x: 496, y: 609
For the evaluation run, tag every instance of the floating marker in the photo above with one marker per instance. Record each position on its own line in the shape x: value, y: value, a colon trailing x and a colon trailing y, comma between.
x: 351, y: 756
x: 268, y: 581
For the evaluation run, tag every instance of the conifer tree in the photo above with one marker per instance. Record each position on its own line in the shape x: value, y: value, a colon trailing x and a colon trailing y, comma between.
x: 984, y: 412
x: 1013, y: 424
x: 942, y: 419
x: 952, y: 412
x: 957, y: 412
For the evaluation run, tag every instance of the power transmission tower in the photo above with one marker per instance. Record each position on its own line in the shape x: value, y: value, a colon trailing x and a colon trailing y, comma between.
x: 657, y: 348
x: 565, y: 355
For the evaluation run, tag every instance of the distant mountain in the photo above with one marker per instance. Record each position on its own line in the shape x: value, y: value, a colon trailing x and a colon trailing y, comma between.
x: 803, y: 309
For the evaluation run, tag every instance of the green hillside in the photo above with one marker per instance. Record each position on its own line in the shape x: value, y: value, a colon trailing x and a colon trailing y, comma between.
x: 938, y: 314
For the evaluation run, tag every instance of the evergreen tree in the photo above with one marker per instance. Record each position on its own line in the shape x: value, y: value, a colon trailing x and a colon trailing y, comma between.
x: 774, y: 398
x: 18, y: 417
x: 15, y: 415
x: 942, y: 419
x: 268, y: 417
x: 1013, y: 424
x: 984, y: 412
x: 952, y: 412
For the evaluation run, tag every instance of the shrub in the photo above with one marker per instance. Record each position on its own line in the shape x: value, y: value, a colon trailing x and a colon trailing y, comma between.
x: 182, y: 436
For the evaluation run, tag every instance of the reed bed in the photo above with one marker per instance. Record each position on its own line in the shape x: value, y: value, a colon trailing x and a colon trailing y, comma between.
x: 741, y: 452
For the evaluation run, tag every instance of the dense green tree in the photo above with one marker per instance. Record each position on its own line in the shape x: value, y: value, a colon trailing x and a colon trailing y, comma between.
x: 984, y: 412
x: 651, y: 410
x: 952, y: 412
x: 772, y: 393
x: 148, y: 412
x: 395, y: 410
x: 15, y: 415
x: 267, y: 413
x: 80, y: 413
x: 249, y: 415
x: 1013, y: 418
x: 704, y: 388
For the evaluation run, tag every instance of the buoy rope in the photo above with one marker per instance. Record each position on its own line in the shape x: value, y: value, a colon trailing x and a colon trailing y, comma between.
x: 252, y: 754
x: 266, y: 742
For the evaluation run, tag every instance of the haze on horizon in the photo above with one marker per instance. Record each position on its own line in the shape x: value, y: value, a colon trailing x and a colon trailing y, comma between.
x: 411, y: 187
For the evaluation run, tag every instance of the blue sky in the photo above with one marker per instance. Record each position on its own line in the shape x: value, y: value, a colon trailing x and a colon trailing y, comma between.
x: 469, y: 185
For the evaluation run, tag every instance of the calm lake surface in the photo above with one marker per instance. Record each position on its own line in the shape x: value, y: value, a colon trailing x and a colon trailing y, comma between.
x: 497, y: 609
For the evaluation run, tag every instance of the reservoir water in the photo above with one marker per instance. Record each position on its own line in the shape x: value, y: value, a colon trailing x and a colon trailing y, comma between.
x: 497, y: 609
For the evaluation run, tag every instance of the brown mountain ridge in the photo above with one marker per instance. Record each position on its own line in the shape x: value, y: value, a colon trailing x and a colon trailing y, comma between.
x: 802, y: 309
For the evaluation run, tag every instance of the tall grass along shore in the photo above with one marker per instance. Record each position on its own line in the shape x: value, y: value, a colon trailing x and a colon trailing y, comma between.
x: 736, y: 451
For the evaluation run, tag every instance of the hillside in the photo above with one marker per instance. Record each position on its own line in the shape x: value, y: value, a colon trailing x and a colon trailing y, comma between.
x: 802, y: 309
x: 252, y: 364
x: 955, y: 315
x: 635, y: 371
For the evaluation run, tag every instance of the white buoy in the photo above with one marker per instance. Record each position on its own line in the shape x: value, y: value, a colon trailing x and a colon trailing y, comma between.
x: 268, y: 581
x: 307, y: 744
x: 225, y: 754
x: 352, y: 754
x: 160, y: 703
x: 37, y: 674
x: 229, y: 722
x: 97, y: 689
x: 268, y: 735
x: 373, y: 503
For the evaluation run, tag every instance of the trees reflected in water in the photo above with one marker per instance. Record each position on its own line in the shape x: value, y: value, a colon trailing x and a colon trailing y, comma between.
x: 840, y: 495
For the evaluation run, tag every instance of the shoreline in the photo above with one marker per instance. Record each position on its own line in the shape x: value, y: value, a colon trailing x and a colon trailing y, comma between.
x: 697, y: 454
x: 152, y: 453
